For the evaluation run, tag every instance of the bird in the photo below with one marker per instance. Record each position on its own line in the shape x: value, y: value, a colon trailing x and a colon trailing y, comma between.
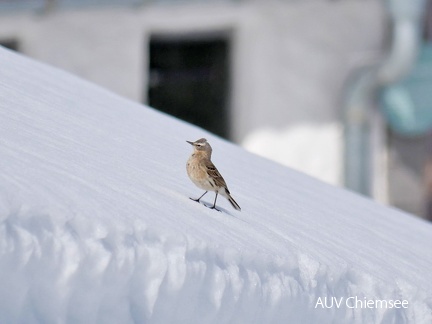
x: 204, y: 174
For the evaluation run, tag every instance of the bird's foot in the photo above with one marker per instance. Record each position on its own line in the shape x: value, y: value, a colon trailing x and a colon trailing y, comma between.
x: 214, y: 207
x: 197, y: 200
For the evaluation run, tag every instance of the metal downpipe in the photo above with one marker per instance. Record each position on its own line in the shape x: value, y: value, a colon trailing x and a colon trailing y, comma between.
x: 405, y: 17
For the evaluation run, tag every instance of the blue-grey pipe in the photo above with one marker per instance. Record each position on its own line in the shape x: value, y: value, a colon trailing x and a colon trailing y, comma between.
x: 406, y: 21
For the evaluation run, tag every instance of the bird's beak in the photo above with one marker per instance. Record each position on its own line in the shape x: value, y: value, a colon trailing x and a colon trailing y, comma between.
x: 191, y: 143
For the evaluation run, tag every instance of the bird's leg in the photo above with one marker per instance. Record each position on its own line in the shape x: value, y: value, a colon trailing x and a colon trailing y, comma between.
x: 197, y: 200
x: 214, y: 204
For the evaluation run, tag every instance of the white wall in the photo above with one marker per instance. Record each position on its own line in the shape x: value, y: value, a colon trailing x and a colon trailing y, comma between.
x: 289, y: 61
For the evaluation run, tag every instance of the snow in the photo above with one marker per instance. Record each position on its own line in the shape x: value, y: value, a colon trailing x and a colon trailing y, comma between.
x: 96, y: 224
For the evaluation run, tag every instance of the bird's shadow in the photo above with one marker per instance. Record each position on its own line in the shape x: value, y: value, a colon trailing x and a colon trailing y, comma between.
x: 209, y: 206
x: 219, y: 209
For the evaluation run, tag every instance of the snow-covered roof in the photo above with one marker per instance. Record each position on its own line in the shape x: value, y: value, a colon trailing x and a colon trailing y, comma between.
x: 97, y: 225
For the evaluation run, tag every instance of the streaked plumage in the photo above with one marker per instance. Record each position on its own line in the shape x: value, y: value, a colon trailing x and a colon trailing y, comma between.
x: 204, y: 174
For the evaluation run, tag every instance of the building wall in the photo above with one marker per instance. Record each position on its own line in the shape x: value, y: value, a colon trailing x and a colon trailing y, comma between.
x: 290, y: 61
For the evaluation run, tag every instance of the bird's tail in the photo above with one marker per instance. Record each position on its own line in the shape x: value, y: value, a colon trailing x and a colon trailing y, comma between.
x: 233, y: 202
x: 225, y: 192
x: 227, y: 195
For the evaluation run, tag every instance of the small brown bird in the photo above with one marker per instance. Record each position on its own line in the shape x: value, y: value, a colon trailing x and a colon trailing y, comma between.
x: 204, y: 174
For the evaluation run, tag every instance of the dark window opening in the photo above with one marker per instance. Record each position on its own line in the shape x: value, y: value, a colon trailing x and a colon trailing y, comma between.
x: 189, y: 79
x: 10, y: 44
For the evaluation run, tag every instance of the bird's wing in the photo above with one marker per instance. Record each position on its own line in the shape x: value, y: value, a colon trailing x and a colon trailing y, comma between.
x: 215, y: 175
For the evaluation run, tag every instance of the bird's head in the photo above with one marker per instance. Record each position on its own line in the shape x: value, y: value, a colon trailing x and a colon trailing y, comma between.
x: 201, y: 145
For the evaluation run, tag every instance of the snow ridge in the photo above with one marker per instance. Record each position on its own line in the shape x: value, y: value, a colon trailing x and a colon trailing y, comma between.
x: 96, y: 224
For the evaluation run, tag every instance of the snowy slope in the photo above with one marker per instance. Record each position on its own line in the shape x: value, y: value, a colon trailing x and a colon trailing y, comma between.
x: 97, y: 225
